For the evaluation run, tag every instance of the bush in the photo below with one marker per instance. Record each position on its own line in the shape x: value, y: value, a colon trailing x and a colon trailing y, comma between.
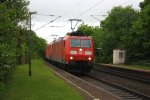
x: 7, y: 61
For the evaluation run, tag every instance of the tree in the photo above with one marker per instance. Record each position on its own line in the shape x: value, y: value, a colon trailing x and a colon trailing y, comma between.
x: 123, y: 28
x: 144, y: 4
x: 13, y: 36
x: 116, y: 28
x: 140, y: 33
x: 7, y: 42
x: 20, y: 9
x: 38, y: 46
x: 11, y: 13
x: 85, y: 29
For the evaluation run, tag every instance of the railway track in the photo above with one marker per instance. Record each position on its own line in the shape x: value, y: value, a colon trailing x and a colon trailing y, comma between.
x: 98, y: 80
x: 124, y: 74
x: 122, y: 92
x: 122, y: 83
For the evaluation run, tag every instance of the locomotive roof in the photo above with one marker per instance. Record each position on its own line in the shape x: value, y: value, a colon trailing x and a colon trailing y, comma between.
x: 59, y: 39
x: 79, y: 37
x: 70, y: 36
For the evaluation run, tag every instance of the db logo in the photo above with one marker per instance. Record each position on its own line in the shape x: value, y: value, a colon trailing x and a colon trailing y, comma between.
x: 80, y: 52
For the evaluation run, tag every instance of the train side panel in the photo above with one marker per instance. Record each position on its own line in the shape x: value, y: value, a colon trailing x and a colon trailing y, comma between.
x: 58, y: 51
x: 66, y: 51
x: 47, y: 52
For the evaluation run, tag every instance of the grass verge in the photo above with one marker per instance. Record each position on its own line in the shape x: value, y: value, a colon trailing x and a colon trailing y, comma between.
x: 42, y: 85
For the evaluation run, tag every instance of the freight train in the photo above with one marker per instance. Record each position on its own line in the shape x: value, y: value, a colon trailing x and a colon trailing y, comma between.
x: 72, y: 52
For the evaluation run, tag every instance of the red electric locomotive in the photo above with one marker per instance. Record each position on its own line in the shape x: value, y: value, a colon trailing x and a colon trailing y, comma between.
x: 76, y: 53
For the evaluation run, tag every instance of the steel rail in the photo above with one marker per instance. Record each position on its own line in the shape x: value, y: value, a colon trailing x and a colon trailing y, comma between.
x: 120, y: 88
x: 123, y: 74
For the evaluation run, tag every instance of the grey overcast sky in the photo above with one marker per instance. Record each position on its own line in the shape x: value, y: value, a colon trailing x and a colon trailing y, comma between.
x: 70, y: 9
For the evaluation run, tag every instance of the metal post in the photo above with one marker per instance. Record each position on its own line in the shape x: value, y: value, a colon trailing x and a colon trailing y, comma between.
x: 72, y: 27
x: 29, y: 44
x: 100, y: 48
x: 100, y: 52
x: 29, y: 47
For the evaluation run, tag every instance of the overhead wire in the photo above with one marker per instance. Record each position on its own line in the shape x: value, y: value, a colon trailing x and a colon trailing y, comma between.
x: 78, y: 4
x: 87, y: 10
x: 62, y: 16
x: 81, y: 13
x: 67, y: 12
x: 57, y: 26
x: 44, y: 15
x: 36, y: 19
x: 71, y: 10
x: 47, y: 23
x: 90, y: 8
x: 118, y: 5
x: 106, y: 15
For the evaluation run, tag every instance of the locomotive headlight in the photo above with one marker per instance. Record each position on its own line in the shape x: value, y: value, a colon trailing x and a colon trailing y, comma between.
x: 71, y: 57
x: 89, y: 58
x: 80, y: 49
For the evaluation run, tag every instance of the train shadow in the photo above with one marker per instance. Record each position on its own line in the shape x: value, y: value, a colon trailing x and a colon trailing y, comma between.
x: 79, y: 74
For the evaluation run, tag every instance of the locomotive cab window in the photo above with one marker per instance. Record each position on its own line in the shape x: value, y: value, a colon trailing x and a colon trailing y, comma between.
x: 85, y: 43
x: 80, y: 43
x: 75, y: 42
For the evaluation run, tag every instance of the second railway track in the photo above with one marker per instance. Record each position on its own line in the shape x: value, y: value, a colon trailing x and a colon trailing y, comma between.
x: 107, y: 85
x: 125, y: 86
x: 126, y: 73
x: 120, y: 91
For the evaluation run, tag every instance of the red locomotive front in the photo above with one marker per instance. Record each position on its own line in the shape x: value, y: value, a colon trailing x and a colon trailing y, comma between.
x: 76, y: 53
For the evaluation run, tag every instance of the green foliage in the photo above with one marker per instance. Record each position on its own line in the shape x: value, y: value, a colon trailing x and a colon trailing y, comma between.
x: 7, y: 42
x: 123, y: 28
x: 7, y: 62
x: 85, y: 30
x: 114, y: 32
x: 98, y: 43
x: 116, y: 28
x: 13, y: 36
x: 20, y: 9
x: 38, y: 46
x: 118, y: 24
x: 11, y: 13
x: 140, y: 32
x: 144, y: 4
